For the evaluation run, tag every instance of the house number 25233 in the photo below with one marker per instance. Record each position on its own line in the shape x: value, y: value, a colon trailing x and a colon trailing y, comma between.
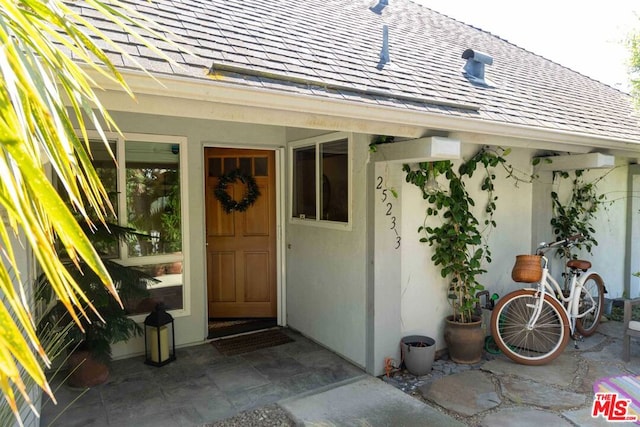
x: 388, y: 206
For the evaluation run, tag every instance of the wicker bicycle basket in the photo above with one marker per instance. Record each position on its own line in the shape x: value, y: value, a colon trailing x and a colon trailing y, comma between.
x: 527, y: 269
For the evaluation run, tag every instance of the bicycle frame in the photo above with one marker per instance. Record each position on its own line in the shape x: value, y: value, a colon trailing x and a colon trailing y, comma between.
x: 549, y: 285
x: 532, y: 325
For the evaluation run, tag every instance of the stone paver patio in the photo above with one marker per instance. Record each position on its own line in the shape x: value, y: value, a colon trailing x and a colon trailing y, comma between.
x: 499, y: 392
x: 312, y: 383
x: 200, y: 387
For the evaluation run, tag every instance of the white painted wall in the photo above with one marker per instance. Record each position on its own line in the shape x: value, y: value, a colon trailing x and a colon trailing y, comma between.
x: 386, y: 298
x: 611, y: 229
x: 542, y: 209
x: 326, y: 274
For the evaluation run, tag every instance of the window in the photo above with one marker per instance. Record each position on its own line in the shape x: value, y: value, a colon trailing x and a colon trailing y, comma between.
x: 146, y: 194
x: 152, y: 199
x: 320, y: 179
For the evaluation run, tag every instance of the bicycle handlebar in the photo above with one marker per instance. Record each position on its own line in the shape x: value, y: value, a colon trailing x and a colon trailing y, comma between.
x: 564, y: 242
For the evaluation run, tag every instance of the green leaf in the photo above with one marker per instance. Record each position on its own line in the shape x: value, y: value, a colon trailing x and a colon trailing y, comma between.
x: 45, y: 95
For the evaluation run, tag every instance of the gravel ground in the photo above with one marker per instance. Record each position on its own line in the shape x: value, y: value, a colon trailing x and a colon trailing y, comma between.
x: 267, y: 416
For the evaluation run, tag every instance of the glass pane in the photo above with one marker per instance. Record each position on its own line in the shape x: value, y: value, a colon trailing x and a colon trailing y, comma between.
x: 215, y: 166
x: 168, y: 289
x: 104, y: 242
x: 245, y: 165
x: 153, y: 198
x: 106, y: 168
x: 261, y: 165
x: 230, y: 163
x: 106, y: 245
x: 334, y: 191
x: 304, y: 182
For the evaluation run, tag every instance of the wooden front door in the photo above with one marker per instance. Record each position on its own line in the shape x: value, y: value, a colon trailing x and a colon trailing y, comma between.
x: 241, y: 246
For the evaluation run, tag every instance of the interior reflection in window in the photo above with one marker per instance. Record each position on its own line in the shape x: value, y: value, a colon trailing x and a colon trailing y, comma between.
x: 153, y: 198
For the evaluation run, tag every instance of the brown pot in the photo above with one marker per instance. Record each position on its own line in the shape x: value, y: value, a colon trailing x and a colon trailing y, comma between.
x: 465, y: 341
x: 87, y: 372
x: 175, y: 268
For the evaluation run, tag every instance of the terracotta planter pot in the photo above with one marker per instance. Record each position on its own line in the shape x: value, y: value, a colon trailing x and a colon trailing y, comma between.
x: 175, y: 268
x: 465, y: 341
x: 89, y: 372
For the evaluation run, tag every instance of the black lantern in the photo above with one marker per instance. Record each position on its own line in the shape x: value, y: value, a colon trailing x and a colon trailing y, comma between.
x: 159, y: 338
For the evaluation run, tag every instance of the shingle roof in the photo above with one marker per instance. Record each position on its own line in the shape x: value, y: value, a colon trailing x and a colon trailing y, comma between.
x: 331, y: 48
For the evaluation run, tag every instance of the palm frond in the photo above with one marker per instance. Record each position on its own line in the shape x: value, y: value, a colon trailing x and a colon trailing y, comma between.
x: 43, y: 93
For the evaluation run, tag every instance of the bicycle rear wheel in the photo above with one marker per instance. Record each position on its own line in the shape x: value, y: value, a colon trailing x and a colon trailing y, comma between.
x: 592, y: 295
x: 538, y: 345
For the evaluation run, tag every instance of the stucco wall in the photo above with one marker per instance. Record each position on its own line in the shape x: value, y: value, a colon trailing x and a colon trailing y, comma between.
x: 326, y: 274
x: 388, y: 243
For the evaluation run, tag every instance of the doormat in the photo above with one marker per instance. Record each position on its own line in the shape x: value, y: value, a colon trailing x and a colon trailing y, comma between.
x: 251, y: 342
x: 225, y: 327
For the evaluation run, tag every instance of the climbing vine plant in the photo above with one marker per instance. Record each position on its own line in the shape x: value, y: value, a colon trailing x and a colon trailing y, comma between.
x: 459, y: 245
x: 576, y: 213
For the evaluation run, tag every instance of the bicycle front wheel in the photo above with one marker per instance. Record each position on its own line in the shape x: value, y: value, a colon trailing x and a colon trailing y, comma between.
x: 591, y: 296
x: 529, y: 346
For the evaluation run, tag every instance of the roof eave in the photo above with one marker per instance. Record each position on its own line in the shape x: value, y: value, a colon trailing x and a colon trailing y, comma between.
x: 401, y: 122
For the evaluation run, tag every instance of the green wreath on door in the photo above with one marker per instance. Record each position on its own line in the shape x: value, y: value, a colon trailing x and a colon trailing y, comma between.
x: 228, y: 203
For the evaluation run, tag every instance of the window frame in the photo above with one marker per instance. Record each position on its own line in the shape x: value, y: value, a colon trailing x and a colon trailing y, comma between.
x: 124, y: 258
x: 316, y: 142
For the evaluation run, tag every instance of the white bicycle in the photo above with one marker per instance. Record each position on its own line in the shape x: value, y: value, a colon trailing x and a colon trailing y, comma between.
x: 532, y: 325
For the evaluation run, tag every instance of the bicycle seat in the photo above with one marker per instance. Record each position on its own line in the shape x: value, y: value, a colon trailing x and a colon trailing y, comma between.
x: 579, y: 264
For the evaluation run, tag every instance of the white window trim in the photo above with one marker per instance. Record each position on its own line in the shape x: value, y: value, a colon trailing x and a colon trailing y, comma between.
x: 316, y: 141
x: 181, y: 141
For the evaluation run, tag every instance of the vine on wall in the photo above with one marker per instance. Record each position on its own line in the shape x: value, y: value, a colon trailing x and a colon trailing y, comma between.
x: 576, y: 214
x: 459, y: 245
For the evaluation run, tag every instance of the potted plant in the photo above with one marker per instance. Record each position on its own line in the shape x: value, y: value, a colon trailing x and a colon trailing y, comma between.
x: 90, y: 341
x: 459, y: 247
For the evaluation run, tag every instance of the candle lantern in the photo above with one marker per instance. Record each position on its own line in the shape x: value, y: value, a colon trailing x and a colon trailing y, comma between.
x: 159, y: 338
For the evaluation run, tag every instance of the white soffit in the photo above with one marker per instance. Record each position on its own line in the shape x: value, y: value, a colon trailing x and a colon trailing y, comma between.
x: 418, y: 150
x: 576, y: 161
